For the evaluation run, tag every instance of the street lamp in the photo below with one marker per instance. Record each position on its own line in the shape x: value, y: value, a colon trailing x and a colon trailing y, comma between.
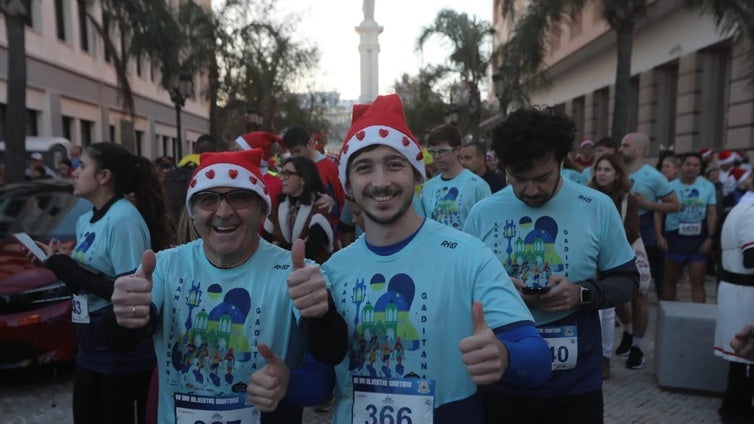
x: 182, y: 86
x: 452, y: 114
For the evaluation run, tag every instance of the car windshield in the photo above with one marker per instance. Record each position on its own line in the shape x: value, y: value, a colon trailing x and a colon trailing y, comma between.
x: 43, y: 214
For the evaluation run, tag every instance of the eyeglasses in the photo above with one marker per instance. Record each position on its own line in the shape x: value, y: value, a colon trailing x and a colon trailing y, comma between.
x: 441, y: 152
x: 285, y: 174
x: 237, y: 199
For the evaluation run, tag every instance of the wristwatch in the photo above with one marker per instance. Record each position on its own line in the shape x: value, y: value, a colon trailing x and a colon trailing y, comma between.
x: 585, y: 295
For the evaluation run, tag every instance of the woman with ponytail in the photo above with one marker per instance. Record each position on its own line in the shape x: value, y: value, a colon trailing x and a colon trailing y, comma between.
x: 129, y: 216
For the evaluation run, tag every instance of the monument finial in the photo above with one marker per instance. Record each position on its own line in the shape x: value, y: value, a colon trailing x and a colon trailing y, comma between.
x: 368, y: 7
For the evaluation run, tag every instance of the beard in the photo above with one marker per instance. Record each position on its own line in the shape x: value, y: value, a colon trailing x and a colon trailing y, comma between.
x: 386, y: 220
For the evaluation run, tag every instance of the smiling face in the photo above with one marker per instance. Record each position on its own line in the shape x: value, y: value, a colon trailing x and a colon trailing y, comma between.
x: 382, y: 181
x: 230, y: 233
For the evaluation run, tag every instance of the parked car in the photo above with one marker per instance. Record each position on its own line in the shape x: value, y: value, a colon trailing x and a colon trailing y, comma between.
x: 53, y: 149
x: 35, y: 307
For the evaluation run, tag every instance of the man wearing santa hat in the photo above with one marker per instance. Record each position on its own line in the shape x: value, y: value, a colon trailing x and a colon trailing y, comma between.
x: 230, y: 295
x: 397, y: 285
x: 726, y: 160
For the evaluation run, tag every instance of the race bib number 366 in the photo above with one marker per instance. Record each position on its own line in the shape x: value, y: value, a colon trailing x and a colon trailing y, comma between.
x: 393, y: 401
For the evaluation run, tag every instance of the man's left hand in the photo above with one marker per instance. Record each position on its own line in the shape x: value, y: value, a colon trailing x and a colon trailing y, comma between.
x: 485, y: 357
x: 306, y: 286
x: 269, y: 384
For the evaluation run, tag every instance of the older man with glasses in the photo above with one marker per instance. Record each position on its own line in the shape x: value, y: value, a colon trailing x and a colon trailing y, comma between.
x: 223, y: 309
x: 450, y: 194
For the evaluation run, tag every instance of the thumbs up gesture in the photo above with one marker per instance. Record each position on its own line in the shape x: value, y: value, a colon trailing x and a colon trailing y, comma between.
x: 306, y: 286
x: 485, y: 357
x: 269, y: 384
x: 132, y: 294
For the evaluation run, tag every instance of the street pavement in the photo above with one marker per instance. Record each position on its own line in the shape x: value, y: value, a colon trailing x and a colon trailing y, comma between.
x: 631, y: 396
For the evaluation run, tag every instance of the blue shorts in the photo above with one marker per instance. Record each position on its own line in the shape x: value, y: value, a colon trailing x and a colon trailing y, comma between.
x: 685, y: 249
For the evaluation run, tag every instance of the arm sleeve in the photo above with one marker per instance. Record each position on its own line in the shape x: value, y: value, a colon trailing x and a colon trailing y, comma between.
x: 311, y: 384
x: 122, y: 339
x: 529, y: 359
x: 613, y: 287
x: 327, y: 336
x: 317, y: 241
x: 79, y: 278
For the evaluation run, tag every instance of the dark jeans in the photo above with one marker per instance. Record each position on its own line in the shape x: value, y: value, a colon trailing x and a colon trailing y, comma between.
x: 584, y: 408
x: 736, y: 406
x: 100, y: 398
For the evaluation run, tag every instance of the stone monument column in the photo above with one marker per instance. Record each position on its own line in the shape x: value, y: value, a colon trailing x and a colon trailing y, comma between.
x: 369, y: 49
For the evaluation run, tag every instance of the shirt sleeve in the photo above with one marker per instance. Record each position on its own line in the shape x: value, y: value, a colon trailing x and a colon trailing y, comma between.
x: 529, y: 358
x: 128, y: 242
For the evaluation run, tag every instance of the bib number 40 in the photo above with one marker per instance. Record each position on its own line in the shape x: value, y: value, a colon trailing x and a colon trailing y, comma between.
x: 388, y: 415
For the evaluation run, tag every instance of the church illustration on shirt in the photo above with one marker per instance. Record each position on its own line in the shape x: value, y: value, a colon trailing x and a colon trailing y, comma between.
x: 530, y: 250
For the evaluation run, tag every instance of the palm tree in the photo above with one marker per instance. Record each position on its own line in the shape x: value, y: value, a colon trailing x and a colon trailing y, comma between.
x: 15, y: 13
x: 468, y: 38
x: 529, y: 40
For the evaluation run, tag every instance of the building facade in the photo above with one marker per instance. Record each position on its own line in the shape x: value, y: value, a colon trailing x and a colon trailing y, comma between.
x: 72, y: 87
x: 690, y: 85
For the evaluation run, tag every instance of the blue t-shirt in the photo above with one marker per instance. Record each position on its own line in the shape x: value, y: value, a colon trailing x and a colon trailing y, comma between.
x: 694, y: 199
x: 210, y: 321
x: 449, y: 201
x: 408, y: 310
x: 112, y: 245
x: 577, y: 234
x: 653, y: 186
x: 586, y: 175
x: 572, y: 174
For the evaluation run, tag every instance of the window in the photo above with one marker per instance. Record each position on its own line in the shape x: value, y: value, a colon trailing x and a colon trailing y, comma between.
x: 32, y: 126
x: 112, y: 133
x: 139, y: 138
x: 67, y: 128
x: 578, y: 116
x: 83, y: 27
x: 60, y: 19
x: 715, y: 96
x: 87, y: 133
x: 29, y: 13
x: 666, y: 99
x: 601, y: 112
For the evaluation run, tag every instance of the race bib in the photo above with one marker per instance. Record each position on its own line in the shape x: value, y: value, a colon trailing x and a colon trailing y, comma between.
x: 564, y: 345
x: 192, y: 409
x: 79, y: 309
x: 690, y: 228
x: 394, y: 400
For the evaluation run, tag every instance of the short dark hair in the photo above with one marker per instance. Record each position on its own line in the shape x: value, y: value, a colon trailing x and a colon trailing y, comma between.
x: 206, y: 143
x: 691, y: 155
x: 296, y: 136
x: 532, y: 133
x: 444, y: 133
x: 480, y: 148
x: 606, y: 142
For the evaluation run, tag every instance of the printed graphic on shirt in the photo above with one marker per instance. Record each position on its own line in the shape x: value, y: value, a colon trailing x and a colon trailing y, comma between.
x: 384, y: 336
x: 79, y: 252
x: 530, y: 250
x: 211, y: 340
x: 446, y: 208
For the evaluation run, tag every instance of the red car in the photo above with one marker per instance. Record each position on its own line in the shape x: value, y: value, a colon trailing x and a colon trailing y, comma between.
x: 35, y: 307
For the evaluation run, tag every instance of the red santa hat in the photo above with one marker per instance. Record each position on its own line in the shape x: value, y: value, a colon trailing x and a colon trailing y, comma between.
x: 259, y: 140
x: 586, y: 142
x: 740, y: 174
x: 380, y: 123
x: 229, y: 169
x: 726, y: 156
x: 705, y: 153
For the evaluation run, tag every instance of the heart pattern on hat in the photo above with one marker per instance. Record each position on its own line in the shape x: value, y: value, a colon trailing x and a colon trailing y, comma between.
x: 210, y: 174
x: 383, y: 132
x: 233, y: 173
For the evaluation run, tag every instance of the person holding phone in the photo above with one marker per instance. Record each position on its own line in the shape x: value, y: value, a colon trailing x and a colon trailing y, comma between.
x: 553, y: 232
x: 109, y: 386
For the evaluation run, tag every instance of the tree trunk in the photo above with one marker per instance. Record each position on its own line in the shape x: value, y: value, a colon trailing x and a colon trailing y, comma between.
x: 624, y: 45
x: 15, y: 118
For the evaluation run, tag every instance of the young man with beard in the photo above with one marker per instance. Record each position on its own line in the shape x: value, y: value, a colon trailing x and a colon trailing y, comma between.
x: 557, y: 239
x: 431, y: 313
x: 454, y: 190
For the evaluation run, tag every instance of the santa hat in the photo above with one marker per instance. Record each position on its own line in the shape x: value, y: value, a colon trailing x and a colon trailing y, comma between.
x: 586, y: 142
x: 380, y: 123
x: 740, y: 174
x: 726, y: 156
x: 705, y: 153
x: 229, y: 169
x: 259, y: 140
